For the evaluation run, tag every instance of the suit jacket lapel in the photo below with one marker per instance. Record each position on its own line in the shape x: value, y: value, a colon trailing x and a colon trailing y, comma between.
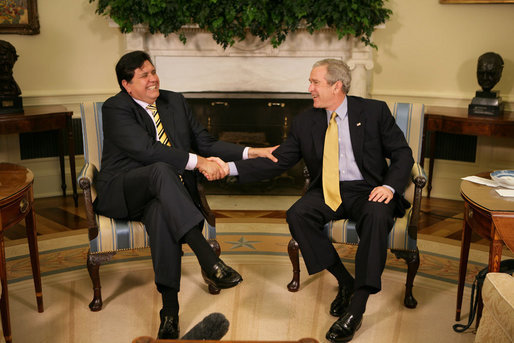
x: 356, y: 123
x: 168, y: 120
x: 144, y: 117
x: 319, y: 129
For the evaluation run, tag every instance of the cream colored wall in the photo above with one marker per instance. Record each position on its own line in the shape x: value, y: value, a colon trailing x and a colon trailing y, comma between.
x: 73, y: 55
x: 429, y: 50
x: 427, y: 53
x: 70, y: 61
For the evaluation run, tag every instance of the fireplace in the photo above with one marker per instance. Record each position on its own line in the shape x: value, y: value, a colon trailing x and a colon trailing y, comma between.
x: 256, y: 120
x: 250, y: 92
x: 250, y: 65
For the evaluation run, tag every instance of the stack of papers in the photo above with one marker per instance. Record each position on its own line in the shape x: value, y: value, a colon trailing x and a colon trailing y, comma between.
x: 480, y: 180
x: 505, y: 192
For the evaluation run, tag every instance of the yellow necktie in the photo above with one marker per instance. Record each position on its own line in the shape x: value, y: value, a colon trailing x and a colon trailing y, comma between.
x: 331, y: 165
x: 163, y: 138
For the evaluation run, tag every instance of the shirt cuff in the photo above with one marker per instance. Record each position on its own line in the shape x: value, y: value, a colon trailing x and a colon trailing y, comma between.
x: 191, y: 162
x: 245, y: 153
x: 232, y: 169
x: 389, y: 187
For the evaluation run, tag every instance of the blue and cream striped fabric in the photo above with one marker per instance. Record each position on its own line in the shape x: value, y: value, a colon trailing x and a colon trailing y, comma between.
x: 92, y: 132
x: 410, y: 119
x: 117, y: 235
x: 113, y: 235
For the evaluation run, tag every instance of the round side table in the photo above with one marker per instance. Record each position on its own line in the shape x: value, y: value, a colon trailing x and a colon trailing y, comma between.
x: 16, y: 201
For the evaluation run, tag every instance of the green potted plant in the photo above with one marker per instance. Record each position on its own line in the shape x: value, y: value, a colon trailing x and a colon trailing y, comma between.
x: 231, y: 20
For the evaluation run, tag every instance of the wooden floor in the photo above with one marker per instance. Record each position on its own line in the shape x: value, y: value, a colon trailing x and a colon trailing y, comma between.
x: 440, y: 218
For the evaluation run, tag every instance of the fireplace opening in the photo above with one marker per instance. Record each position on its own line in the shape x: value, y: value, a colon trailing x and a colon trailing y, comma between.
x: 255, y: 120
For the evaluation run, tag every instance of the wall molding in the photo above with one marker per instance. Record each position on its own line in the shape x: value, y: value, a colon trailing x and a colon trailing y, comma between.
x: 433, y: 98
x: 65, y: 98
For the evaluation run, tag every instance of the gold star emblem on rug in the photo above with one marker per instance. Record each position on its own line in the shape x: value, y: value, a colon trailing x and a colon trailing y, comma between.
x: 242, y: 242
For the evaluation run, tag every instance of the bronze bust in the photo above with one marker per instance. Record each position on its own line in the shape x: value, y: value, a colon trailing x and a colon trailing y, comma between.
x: 10, y: 100
x: 8, y: 87
x: 489, y: 70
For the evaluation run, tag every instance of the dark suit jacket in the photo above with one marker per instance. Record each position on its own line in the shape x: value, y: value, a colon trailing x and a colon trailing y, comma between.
x: 374, y: 136
x: 130, y: 142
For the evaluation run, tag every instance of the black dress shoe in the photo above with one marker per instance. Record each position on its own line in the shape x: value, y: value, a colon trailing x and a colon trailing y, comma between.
x: 168, y: 328
x: 222, y: 276
x: 341, y: 302
x: 344, y: 328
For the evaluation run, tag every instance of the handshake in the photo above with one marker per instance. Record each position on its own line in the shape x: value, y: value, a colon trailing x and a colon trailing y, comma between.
x: 214, y: 168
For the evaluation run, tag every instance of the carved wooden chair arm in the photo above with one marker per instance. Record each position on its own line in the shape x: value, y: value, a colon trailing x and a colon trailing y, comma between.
x: 87, y: 174
x: 86, y: 182
x: 418, y: 175
x: 419, y: 179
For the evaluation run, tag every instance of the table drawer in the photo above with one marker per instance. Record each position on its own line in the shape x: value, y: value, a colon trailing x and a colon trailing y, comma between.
x: 16, y: 210
x: 479, y: 220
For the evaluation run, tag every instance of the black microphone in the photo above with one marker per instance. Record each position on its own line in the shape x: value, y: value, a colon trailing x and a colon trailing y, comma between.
x: 212, y: 327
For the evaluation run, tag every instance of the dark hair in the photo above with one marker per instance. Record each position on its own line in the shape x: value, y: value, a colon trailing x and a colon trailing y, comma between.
x: 128, y: 63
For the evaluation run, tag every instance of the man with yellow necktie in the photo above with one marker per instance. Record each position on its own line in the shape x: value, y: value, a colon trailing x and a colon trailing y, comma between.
x: 344, y: 142
x: 152, y: 144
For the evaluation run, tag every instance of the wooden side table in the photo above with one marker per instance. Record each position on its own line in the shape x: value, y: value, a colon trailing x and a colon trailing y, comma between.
x: 16, y: 203
x: 46, y: 118
x: 457, y: 121
x: 492, y: 217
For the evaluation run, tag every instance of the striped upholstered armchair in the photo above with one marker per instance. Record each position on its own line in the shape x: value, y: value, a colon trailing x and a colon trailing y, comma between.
x: 108, y: 235
x: 403, y: 236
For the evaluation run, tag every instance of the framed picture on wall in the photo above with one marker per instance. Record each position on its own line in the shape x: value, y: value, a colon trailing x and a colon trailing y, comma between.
x: 19, y: 16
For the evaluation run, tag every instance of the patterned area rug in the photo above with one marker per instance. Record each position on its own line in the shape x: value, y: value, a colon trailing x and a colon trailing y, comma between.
x: 260, y: 308
x: 439, y: 261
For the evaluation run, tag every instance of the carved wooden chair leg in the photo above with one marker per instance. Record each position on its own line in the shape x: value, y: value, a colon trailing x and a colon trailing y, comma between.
x: 93, y: 266
x: 412, y: 259
x: 217, y: 249
x: 292, y: 250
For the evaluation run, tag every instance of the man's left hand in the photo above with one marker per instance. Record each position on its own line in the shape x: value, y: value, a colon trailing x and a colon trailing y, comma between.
x: 381, y: 194
x: 263, y: 152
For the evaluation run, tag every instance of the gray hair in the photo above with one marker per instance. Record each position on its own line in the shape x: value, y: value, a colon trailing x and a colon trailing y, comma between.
x: 337, y: 70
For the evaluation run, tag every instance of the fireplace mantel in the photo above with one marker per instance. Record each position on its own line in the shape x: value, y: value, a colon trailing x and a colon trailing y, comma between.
x: 201, y: 65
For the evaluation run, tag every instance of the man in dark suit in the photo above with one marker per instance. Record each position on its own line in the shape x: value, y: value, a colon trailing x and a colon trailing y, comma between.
x: 147, y: 174
x: 350, y: 179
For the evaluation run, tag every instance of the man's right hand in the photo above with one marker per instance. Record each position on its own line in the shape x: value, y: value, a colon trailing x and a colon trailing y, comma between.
x: 212, y: 168
x: 223, y: 165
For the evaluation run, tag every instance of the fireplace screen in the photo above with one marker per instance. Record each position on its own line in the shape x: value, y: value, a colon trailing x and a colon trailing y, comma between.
x: 254, y: 122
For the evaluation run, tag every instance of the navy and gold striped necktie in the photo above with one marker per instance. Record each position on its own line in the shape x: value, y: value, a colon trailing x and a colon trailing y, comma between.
x: 163, y: 138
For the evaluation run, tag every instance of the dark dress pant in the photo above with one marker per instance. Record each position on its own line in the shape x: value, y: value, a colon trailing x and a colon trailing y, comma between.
x: 374, y: 221
x: 155, y: 195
